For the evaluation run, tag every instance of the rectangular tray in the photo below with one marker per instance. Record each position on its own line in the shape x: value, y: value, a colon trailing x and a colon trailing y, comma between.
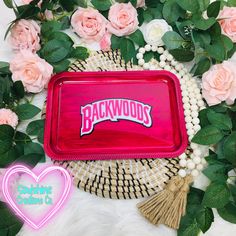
x: 114, y: 115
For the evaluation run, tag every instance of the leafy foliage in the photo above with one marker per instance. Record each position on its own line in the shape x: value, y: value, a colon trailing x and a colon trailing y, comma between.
x: 194, y: 38
x: 9, y: 224
x: 198, y: 217
x: 57, y: 46
x: 16, y: 146
x: 218, y: 128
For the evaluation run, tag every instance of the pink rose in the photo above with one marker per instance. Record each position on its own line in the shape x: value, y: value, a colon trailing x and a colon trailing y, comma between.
x: 219, y: 84
x: 89, y: 24
x: 27, y: 1
x: 8, y: 117
x: 140, y: 3
x: 123, y: 19
x: 25, y: 35
x: 227, y: 20
x: 105, y: 42
x: 48, y: 15
x: 33, y: 71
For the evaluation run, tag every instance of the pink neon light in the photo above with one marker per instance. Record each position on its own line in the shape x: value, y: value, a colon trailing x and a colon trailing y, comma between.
x: 20, y: 168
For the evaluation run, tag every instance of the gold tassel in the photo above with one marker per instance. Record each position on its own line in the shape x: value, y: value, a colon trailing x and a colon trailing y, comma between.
x: 168, y: 206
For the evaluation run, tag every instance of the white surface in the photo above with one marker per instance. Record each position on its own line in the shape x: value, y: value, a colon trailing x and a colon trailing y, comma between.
x: 88, y: 215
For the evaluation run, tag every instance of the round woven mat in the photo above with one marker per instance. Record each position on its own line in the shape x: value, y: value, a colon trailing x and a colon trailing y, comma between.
x: 118, y: 179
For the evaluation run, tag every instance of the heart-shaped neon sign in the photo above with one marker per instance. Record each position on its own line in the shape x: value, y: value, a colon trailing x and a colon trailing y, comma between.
x: 37, y: 178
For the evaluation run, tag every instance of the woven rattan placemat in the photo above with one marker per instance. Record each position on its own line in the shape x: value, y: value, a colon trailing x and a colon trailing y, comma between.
x: 121, y: 179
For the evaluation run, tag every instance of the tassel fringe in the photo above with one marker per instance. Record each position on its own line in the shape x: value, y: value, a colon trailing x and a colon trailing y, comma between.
x: 168, y: 206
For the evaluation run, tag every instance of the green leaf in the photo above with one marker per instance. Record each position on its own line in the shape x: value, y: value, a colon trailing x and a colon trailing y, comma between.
x: 35, y: 148
x: 226, y: 43
x: 10, y: 156
x: 213, y: 9
x: 28, y: 11
x: 8, y: 3
x: 182, y: 26
x: 29, y: 159
x: 220, y: 108
x: 202, y: 66
x: 9, y: 224
x: 19, y: 89
x: 21, y: 138
x: 127, y: 49
x: 203, y: 4
x: 6, y: 137
x: 61, y: 66
x: 203, y: 24
x: 55, y: 50
x: 203, y: 118
x: 67, y: 5
x: 201, y: 37
x: 231, y: 3
x: 208, y: 135
x: 80, y: 53
x: 194, y: 201
x: 101, y: 5
x: 172, y: 11
x: 81, y: 3
x: 137, y: 37
x: 140, y: 16
x: 5, y: 145
x: 6, y: 132
x: 188, y: 227
x: 148, y: 56
x: 5, y: 90
x: 61, y: 37
x: 4, y: 67
x: 147, y: 15
x: 217, y: 195
x: 172, y: 40
x: 65, y: 23
x: 205, y: 217
x: 229, y: 148
x: 49, y: 27
x: 219, y: 150
x: 156, y: 13
x: 217, y: 171
x: 34, y: 127
x: 189, y: 5
x: 115, y: 42
x: 151, y: 3
x: 232, y: 51
x: 220, y: 48
x: 232, y: 189
x: 215, y: 31
x: 133, y: 2
x: 7, y: 158
x: 221, y: 121
x: 41, y: 136
x: 26, y: 111
x: 183, y: 55
x: 228, y: 212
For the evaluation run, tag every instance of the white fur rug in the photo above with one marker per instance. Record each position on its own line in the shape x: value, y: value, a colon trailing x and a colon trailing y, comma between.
x: 88, y: 215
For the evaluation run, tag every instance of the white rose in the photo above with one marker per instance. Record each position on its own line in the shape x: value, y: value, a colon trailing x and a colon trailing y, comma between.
x: 154, y: 31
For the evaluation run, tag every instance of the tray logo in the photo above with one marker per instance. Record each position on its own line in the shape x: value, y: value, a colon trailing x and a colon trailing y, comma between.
x: 114, y: 110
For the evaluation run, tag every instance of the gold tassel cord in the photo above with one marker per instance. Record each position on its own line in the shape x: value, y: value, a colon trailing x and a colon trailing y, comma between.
x: 168, y: 206
x: 154, y: 208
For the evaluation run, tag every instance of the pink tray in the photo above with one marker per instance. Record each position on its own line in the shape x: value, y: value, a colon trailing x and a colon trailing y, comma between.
x: 114, y: 115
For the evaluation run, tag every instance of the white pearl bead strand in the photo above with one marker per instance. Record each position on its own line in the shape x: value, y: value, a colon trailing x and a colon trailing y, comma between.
x: 193, y: 162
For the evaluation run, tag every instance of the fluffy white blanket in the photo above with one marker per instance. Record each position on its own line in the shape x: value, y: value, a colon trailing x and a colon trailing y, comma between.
x: 89, y: 215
